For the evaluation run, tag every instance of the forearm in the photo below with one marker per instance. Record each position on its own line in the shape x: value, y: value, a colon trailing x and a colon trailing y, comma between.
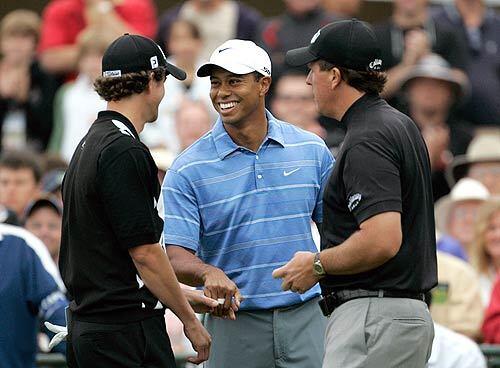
x: 190, y: 269
x: 157, y: 274
x: 377, y: 241
x: 60, y: 60
x: 395, y: 78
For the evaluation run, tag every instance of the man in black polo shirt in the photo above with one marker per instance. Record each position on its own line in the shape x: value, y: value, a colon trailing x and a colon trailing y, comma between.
x: 117, y: 275
x: 378, y: 253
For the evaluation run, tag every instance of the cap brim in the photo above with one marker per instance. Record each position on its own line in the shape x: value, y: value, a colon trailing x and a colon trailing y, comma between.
x: 175, y: 71
x: 300, y: 56
x: 206, y: 69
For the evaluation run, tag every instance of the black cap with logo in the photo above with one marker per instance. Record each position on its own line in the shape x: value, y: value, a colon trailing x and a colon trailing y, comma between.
x: 350, y: 44
x: 134, y: 53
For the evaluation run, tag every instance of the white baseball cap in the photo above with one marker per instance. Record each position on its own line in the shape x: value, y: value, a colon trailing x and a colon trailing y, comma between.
x: 238, y: 57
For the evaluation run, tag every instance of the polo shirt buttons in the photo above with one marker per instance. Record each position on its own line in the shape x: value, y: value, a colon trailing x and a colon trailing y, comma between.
x: 256, y: 157
x: 259, y: 176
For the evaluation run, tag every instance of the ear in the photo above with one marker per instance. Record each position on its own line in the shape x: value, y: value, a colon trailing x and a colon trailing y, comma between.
x: 265, y: 84
x: 335, y: 77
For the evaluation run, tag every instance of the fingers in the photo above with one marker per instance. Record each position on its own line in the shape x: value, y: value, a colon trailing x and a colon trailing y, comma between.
x: 279, y: 272
x: 200, y: 357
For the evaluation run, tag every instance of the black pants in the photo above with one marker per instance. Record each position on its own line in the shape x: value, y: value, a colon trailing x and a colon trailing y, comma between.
x: 142, y: 344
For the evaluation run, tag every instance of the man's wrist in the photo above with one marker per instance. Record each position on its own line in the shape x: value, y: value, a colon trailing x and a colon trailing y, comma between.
x: 318, y: 268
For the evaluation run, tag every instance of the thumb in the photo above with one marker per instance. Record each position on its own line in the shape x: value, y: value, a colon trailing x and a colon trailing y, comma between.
x: 279, y: 272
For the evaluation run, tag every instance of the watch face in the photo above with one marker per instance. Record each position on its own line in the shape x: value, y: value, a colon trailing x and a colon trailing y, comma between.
x: 318, y: 269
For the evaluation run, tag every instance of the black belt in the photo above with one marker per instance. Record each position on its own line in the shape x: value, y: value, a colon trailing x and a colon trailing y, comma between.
x: 335, y: 299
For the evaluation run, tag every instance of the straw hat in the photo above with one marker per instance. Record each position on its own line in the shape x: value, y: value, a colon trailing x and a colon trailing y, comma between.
x: 483, y: 148
x: 466, y: 189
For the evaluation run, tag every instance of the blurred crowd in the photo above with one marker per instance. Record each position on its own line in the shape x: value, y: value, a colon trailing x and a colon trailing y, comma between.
x: 443, y: 68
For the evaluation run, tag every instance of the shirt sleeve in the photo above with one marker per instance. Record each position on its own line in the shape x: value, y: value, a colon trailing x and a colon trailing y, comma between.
x: 182, y: 218
x: 126, y: 192
x: 372, y: 181
x: 326, y: 168
x: 53, y: 32
x: 43, y: 294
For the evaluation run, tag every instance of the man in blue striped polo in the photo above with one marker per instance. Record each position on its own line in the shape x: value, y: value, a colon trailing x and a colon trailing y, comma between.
x: 237, y: 204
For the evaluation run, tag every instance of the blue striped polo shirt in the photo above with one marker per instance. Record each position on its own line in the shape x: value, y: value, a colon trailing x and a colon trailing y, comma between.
x: 246, y: 212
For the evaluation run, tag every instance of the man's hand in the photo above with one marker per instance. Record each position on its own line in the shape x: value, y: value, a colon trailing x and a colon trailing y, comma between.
x: 219, y: 286
x: 199, y: 302
x: 200, y: 340
x: 297, y: 274
x: 417, y: 44
x: 61, y: 332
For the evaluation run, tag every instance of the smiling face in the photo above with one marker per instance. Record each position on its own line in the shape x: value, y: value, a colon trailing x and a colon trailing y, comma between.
x: 238, y: 98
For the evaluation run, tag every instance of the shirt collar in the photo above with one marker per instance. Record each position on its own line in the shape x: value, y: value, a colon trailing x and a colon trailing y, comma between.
x: 225, y: 145
x: 110, y: 115
x: 359, y: 105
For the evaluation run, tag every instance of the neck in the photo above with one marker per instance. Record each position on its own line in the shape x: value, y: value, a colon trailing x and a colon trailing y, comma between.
x: 472, y: 12
x: 428, y: 117
x: 350, y: 96
x: 250, y: 133
x: 132, y: 109
x: 406, y: 20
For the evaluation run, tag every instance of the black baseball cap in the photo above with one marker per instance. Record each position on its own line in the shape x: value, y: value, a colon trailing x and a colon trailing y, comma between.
x: 350, y: 44
x: 134, y: 53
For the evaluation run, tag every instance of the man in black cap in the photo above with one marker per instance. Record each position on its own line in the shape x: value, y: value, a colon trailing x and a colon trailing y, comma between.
x: 118, y: 276
x: 378, y: 254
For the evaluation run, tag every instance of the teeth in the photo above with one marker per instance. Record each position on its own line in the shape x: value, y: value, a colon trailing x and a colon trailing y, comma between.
x: 227, y: 105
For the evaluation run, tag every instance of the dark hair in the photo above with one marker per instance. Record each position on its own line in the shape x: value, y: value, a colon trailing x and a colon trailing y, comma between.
x: 369, y: 82
x: 16, y: 160
x: 116, y: 88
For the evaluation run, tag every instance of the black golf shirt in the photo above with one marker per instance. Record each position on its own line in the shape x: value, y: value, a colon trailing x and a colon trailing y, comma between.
x: 382, y: 166
x: 110, y: 193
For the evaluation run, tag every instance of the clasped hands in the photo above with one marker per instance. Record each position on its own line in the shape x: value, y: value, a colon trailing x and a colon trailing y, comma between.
x: 297, y: 274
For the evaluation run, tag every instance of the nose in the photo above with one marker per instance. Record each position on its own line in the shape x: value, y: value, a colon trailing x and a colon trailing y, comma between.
x: 309, y: 78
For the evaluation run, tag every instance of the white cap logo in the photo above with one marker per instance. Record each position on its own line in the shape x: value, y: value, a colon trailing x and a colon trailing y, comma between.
x: 112, y: 73
x: 375, y: 64
x: 154, y: 62
x: 315, y: 37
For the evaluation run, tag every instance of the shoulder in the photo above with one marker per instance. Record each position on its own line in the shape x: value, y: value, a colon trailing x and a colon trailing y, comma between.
x: 59, y: 8
x: 452, y: 264
x: 15, y: 235
x: 295, y: 135
x: 455, y: 343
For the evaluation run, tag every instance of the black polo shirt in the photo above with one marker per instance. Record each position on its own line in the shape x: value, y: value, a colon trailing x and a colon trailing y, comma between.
x: 110, y: 193
x: 382, y: 166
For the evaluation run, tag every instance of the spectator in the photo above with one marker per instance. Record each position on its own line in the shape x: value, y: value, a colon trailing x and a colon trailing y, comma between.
x: 293, y: 102
x: 292, y: 29
x: 491, y: 324
x: 184, y: 46
x: 218, y: 20
x: 342, y: 9
x: 481, y: 162
x: 479, y: 25
x: 453, y: 350
x: 409, y: 35
x: 163, y: 159
x: 64, y: 20
x: 31, y: 290
x: 433, y: 89
x: 20, y: 175
x: 456, y: 300
x: 77, y: 103
x: 456, y: 213
x: 43, y: 218
x: 486, y: 248
x: 192, y: 121
x: 26, y: 91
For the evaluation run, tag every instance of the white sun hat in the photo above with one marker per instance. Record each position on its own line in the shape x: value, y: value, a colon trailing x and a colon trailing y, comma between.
x: 466, y: 189
x: 238, y: 57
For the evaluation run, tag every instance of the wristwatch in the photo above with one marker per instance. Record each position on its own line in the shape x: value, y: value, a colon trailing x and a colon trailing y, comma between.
x: 318, y: 268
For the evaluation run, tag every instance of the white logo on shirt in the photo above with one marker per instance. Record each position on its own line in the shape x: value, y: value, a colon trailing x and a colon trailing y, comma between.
x: 123, y: 128
x: 354, y: 201
x: 287, y: 173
